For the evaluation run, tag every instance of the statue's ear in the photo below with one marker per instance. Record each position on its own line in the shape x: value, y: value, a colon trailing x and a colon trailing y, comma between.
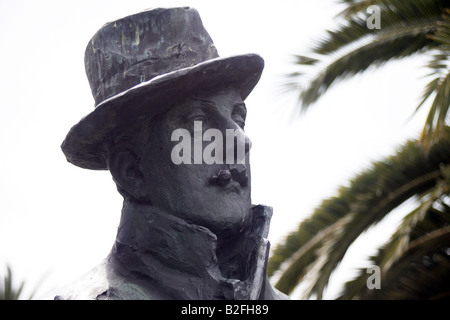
x: 123, y: 163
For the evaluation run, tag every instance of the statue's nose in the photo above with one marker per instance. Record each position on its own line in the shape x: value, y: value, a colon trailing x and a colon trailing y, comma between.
x: 236, y: 147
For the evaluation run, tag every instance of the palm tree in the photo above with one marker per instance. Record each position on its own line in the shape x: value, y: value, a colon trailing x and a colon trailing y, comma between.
x: 322, y: 240
x: 408, y: 27
x: 419, y: 172
x: 9, y: 292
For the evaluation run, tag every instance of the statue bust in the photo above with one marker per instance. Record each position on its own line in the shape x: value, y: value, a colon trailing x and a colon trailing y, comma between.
x: 168, y: 124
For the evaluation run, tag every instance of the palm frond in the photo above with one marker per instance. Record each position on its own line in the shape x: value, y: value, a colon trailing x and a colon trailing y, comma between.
x: 311, y: 255
x: 9, y: 291
x: 422, y: 272
x: 408, y: 28
x: 325, y: 216
x: 394, y: 14
x: 432, y: 213
x: 439, y: 86
x: 393, y: 43
x: 414, y: 7
x: 371, y: 196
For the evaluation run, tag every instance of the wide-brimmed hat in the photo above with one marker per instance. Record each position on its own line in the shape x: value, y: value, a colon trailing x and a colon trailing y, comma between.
x: 142, y: 65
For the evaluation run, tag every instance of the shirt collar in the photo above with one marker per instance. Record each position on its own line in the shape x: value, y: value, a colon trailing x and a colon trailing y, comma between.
x: 184, y: 260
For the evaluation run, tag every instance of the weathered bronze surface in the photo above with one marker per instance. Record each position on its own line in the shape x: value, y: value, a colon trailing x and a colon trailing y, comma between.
x: 187, y: 231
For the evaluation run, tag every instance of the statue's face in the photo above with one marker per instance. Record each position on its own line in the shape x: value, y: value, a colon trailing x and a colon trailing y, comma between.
x: 215, y: 193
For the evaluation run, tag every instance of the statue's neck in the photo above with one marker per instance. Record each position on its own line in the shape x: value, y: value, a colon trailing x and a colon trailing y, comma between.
x: 151, y: 233
x: 157, y: 245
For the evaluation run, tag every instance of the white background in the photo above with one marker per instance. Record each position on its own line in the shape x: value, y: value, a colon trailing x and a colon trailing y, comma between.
x: 59, y: 220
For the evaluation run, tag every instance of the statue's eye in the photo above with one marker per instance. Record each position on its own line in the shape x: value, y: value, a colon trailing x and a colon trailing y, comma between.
x: 198, y: 117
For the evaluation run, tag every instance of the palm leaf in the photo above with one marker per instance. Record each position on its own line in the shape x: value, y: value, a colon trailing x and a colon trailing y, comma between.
x: 9, y: 291
x: 395, y: 14
x: 421, y: 273
x: 439, y: 86
x: 408, y: 28
x: 397, y: 42
x: 371, y: 196
x: 431, y: 214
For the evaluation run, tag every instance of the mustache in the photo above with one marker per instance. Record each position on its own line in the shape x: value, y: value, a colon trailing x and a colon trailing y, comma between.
x: 236, y: 172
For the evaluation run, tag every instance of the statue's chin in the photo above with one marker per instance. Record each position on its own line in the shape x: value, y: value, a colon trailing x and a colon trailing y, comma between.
x: 218, y: 209
x: 228, y: 222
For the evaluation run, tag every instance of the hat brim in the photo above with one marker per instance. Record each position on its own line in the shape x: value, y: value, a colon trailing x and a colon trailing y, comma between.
x: 87, y: 142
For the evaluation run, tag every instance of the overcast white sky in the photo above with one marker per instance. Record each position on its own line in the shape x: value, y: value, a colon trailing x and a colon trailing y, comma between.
x: 59, y: 219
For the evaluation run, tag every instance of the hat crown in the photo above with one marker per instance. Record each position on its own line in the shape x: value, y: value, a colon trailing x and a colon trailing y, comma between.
x: 139, y: 47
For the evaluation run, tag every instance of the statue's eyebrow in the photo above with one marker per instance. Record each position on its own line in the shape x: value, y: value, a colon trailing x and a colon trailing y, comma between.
x: 198, y: 104
x: 238, y: 107
x: 207, y: 103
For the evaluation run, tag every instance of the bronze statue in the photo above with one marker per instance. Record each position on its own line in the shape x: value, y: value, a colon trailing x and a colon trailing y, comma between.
x: 188, y: 229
